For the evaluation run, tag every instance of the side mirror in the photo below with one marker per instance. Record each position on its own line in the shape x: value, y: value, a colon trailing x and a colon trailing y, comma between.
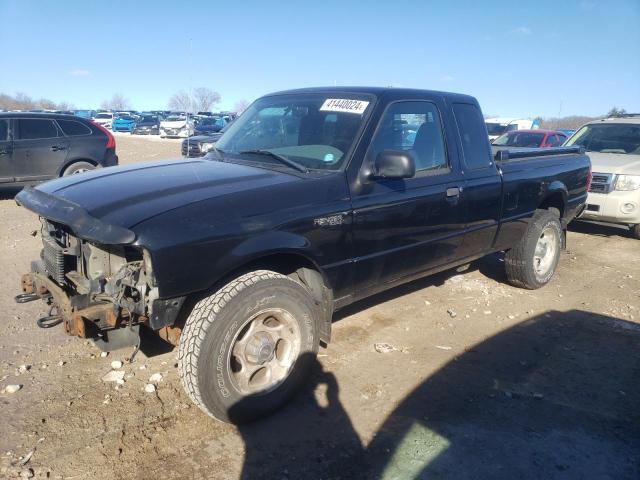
x: 394, y: 164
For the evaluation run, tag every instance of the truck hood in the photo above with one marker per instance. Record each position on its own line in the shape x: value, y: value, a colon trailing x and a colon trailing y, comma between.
x: 615, y: 163
x: 125, y: 196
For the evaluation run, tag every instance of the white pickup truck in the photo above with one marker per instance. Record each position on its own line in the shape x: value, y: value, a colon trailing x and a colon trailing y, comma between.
x: 613, y: 144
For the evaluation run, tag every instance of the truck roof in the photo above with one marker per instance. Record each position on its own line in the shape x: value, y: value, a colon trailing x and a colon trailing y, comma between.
x: 46, y: 115
x: 630, y: 120
x: 534, y: 130
x: 390, y: 92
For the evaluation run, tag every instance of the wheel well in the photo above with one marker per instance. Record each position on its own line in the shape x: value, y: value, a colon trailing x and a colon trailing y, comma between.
x: 555, y: 200
x: 302, y: 270
x: 76, y: 160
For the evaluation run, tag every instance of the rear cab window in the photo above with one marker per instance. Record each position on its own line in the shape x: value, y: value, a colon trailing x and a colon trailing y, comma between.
x: 473, y: 136
x: 73, y: 128
x: 35, y: 128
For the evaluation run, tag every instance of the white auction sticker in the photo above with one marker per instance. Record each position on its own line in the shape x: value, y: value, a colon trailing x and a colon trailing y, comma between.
x: 344, y: 105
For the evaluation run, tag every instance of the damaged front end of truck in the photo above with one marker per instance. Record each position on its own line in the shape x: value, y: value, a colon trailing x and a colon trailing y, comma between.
x: 96, y: 280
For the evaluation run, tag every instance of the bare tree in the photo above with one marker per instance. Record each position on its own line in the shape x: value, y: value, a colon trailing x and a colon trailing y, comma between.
x: 616, y: 112
x: 241, y: 105
x: 204, y: 98
x: 181, y: 102
x: 572, y: 122
x: 117, y: 102
x: 46, y: 104
x: 21, y: 101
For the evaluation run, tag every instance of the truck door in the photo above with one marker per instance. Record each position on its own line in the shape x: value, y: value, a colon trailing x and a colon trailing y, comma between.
x: 403, y: 227
x: 39, y: 149
x: 483, y: 182
x: 6, y: 150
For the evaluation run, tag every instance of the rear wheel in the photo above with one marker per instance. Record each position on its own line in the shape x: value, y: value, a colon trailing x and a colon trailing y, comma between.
x: 77, y: 167
x: 635, y: 231
x: 532, y: 263
x: 248, y: 347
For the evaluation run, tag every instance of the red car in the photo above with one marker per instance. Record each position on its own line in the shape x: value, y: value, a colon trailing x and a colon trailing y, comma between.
x: 531, y: 139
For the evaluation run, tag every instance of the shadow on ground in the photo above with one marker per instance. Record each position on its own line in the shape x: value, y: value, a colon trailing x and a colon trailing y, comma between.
x: 556, y: 396
x: 600, y: 229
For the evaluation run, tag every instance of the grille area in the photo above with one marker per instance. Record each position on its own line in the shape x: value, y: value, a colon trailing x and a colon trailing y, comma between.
x: 53, y: 257
x: 601, y: 183
x: 194, y: 149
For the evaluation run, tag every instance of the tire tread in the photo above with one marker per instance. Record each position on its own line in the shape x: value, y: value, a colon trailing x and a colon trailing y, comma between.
x: 200, y: 320
x: 516, y: 260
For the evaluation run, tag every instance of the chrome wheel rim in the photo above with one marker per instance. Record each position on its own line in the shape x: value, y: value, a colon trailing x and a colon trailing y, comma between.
x: 263, y: 351
x: 545, y: 252
x: 80, y: 170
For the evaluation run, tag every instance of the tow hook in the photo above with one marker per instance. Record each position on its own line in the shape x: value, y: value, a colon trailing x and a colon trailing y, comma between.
x: 26, y: 297
x: 50, y: 320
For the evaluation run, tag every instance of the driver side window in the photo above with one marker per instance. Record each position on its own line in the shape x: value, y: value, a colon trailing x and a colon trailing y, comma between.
x: 413, y: 127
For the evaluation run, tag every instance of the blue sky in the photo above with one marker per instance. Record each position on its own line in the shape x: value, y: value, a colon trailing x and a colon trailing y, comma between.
x: 518, y: 58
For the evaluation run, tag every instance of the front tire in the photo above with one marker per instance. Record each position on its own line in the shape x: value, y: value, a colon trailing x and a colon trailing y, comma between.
x: 247, y: 348
x: 635, y: 231
x: 532, y: 263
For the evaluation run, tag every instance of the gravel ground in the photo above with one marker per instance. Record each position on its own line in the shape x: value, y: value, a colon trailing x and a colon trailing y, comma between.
x: 480, y: 380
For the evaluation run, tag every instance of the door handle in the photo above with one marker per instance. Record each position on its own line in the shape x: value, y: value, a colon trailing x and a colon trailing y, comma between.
x: 453, y: 192
x: 55, y: 148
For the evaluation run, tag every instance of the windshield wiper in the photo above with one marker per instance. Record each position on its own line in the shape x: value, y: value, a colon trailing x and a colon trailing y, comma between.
x: 281, y: 158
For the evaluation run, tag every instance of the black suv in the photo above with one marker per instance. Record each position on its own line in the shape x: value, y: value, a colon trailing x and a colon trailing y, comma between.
x: 39, y: 146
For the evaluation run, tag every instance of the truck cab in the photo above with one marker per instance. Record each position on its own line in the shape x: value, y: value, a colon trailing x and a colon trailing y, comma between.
x: 613, y: 144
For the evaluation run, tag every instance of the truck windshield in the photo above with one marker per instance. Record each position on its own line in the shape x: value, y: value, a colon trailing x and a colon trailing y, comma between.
x: 623, y: 138
x: 315, y: 131
x: 496, y: 128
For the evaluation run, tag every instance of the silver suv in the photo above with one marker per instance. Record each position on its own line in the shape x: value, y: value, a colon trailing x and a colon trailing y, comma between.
x: 613, y: 144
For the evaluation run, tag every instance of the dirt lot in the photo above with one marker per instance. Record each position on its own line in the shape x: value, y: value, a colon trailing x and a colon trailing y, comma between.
x: 485, y: 381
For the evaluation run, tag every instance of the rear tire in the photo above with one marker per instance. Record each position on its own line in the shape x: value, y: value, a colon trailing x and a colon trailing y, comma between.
x: 247, y: 348
x: 635, y: 231
x: 532, y: 263
x: 77, y: 167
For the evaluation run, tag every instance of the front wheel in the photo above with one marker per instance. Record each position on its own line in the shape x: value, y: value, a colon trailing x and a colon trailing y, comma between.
x: 532, y: 263
x: 247, y: 348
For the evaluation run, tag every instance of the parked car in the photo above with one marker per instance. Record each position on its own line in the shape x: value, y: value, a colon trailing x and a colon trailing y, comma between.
x: 310, y: 202
x: 124, y: 122
x: 176, y: 126
x: 530, y: 139
x: 104, y: 118
x: 147, y: 125
x: 613, y: 145
x: 566, y: 131
x: 86, y: 114
x: 208, y: 125
x: 499, y: 126
x: 40, y: 146
x: 199, y: 145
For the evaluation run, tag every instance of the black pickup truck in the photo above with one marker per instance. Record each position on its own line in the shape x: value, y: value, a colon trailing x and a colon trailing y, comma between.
x: 311, y: 200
